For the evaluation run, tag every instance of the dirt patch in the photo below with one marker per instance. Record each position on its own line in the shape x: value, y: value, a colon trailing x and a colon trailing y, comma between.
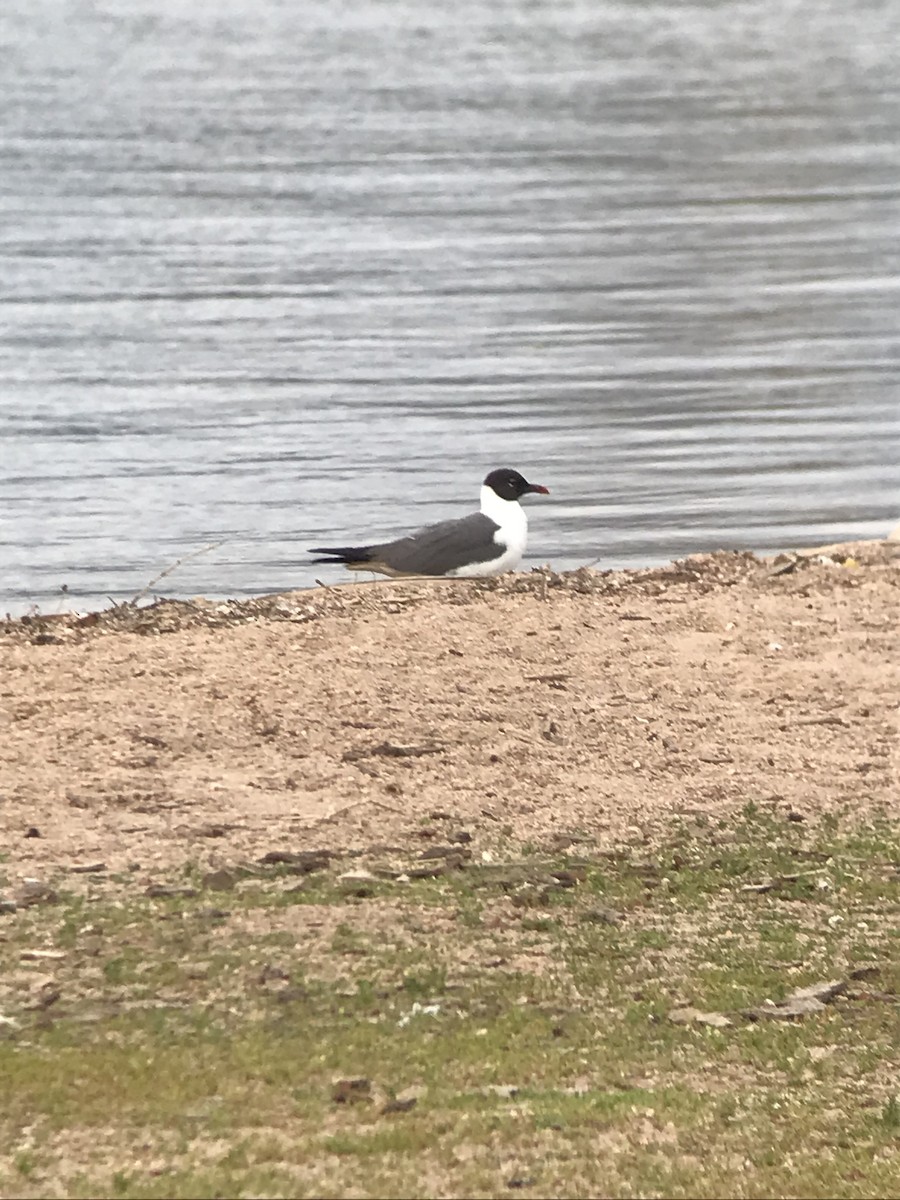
x: 536, y: 706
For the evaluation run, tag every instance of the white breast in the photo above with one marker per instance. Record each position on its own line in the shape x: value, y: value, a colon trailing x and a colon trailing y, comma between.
x: 511, y: 537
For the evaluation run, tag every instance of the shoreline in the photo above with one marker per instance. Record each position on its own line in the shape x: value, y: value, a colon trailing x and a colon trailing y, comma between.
x: 32, y: 608
x: 584, y: 578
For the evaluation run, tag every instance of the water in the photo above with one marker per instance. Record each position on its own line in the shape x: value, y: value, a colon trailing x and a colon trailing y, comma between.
x: 279, y: 274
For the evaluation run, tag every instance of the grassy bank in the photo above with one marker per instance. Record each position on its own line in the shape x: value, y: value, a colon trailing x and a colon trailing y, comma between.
x: 456, y: 1018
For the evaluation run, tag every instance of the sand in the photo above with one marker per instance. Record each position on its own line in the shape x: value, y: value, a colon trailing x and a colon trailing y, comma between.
x: 532, y: 708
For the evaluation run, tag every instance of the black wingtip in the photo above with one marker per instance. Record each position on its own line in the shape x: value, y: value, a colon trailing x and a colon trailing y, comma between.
x: 340, y: 554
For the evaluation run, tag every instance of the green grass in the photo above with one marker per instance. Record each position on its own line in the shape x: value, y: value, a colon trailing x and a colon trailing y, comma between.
x: 192, y: 1054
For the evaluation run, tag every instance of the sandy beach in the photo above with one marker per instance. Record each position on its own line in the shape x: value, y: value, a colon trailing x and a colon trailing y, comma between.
x: 535, y: 705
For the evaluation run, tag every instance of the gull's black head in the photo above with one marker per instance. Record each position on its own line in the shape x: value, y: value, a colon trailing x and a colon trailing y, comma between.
x: 510, y: 485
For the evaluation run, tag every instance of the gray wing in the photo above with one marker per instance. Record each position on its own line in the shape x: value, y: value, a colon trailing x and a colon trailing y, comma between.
x: 440, y: 548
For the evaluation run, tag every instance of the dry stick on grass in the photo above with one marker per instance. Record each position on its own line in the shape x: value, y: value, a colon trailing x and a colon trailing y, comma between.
x: 174, y: 567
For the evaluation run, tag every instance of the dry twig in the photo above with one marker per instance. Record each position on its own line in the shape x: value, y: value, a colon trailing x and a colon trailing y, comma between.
x: 173, y: 567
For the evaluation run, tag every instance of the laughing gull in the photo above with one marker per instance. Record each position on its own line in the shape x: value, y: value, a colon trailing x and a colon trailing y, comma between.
x: 484, y: 543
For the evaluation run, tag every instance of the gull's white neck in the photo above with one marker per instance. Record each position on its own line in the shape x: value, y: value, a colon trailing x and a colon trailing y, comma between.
x: 509, y: 514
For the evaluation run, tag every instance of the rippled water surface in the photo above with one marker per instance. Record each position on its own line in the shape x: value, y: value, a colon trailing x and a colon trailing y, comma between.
x: 275, y: 274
